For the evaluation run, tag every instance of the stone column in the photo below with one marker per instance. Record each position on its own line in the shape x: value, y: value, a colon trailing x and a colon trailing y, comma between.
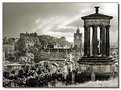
x: 85, y: 41
x: 92, y: 74
x: 88, y: 41
x: 107, y: 40
x: 94, y: 41
x: 102, y: 41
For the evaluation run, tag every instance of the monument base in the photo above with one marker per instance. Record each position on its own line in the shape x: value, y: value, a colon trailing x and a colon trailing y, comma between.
x: 97, y: 66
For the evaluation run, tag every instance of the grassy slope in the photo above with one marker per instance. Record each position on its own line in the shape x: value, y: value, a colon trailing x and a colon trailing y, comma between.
x: 109, y: 83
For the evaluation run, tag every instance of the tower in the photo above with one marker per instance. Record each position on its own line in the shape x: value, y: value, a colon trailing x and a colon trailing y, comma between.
x: 96, y: 59
x: 78, y: 40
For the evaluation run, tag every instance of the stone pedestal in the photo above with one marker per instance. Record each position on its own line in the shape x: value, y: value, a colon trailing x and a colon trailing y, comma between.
x: 97, y: 66
x: 73, y: 77
x: 92, y: 76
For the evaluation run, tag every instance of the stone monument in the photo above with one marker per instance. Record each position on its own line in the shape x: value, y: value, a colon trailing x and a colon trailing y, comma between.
x: 96, y: 59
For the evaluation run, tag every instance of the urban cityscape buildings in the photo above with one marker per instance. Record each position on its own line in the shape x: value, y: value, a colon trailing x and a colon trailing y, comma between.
x: 37, y: 60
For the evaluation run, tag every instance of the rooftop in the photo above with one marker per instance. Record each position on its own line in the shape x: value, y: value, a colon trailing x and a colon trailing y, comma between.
x: 96, y: 15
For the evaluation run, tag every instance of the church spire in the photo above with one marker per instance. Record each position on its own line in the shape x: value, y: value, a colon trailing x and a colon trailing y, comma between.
x: 78, y: 30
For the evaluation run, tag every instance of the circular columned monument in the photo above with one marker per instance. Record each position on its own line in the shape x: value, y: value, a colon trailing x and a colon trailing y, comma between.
x: 96, y: 59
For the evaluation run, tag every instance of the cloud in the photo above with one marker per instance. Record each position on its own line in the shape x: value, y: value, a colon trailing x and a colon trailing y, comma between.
x: 69, y: 35
x: 39, y: 20
x: 113, y: 36
x: 70, y: 20
x: 55, y: 18
x: 43, y: 25
x: 67, y: 27
x: 58, y: 26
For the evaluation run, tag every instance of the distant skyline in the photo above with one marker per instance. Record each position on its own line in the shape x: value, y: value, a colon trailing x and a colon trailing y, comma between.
x: 55, y: 19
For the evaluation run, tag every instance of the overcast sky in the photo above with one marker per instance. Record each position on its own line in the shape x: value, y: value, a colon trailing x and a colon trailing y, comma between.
x: 55, y: 19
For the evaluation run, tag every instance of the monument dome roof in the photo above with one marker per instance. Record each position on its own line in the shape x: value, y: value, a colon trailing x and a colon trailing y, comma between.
x: 96, y: 15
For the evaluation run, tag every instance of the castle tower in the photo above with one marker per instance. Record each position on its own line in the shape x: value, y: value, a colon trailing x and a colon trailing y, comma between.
x: 78, y: 40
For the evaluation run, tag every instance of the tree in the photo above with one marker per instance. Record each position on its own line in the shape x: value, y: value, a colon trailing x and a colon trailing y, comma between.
x: 21, y: 73
x: 6, y: 74
x: 11, y: 57
x: 21, y: 45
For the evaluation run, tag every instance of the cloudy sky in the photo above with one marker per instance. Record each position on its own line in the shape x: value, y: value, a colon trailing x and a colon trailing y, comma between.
x: 55, y: 19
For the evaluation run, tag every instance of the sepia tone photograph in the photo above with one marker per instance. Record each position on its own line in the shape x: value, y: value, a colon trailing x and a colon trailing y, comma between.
x: 60, y: 45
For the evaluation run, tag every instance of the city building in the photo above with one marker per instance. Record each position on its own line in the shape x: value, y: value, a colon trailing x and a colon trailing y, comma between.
x: 27, y: 40
x: 78, y: 40
x: 9, y: 44
x: 8, y: 48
